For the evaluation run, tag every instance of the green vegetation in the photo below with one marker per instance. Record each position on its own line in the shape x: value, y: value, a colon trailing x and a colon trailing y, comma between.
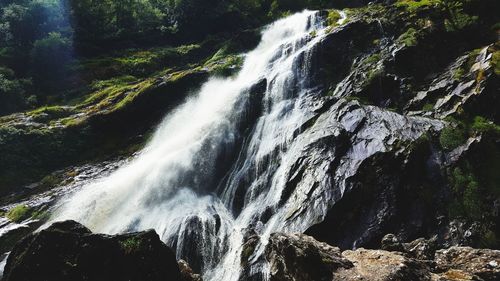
x: 414, y: 6
x: 474, y: 179
x: 373, y: 59
x: 409, y: 38
x: 466, y: 188
x: 455, y: 17
x: 495, y: 62
x: 131, y: 244
x: 459, y: 130
x: 19, y: 213
x: 429, y: 107
x: 372, y: 75
x: 481, y: 125
x: 47, y: 113
x: 333, y: 17
x: 64, y: 36
x: 452, y: 137
x: 50, y: 181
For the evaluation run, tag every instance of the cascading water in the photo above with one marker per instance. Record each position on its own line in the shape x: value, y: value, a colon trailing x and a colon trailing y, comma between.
x: 219, y: 164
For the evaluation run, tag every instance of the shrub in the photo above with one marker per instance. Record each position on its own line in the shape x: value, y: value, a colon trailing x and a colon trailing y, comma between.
x: 452, y: 137
x: 482, y: 125
x: 457, y: 19
x: 466, y: 189
x: 54, y: 53
x: 409, y: 38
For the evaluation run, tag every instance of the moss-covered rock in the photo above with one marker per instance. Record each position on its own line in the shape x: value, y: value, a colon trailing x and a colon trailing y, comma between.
x: 69, y: 251
x: 19, y: 213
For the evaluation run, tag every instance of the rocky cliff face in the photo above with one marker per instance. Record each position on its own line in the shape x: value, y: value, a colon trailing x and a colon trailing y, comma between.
x: 405, y: 181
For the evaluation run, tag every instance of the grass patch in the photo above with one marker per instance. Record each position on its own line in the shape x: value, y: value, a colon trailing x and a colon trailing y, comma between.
x: 137, y: 62
x: 48, y: 113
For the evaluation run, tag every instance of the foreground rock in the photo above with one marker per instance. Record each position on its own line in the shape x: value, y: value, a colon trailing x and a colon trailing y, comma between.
x: 69, y: 251
x: 300, y: 257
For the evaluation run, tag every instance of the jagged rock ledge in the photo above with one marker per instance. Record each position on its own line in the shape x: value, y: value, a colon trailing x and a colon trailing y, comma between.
x: 294, y: 257
x: 69, y: 251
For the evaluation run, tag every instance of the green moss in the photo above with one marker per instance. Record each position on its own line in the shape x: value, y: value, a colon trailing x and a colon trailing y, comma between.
x: 40, y: 215
x: 372, y: 75
x: 333, y: 17
x: 459, y: 74
x: 19, y: 213
x: 222, y: 63
x: 373, y: 59
x: 48, y: 113
x: 137, y: 62
x: 134, y: 92
x: 428, y: 107
x: 414, y: 6
x: 131, y: 244
x: 409, y: 38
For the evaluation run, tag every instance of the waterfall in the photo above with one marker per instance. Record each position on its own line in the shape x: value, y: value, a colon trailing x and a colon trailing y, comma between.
x: 218, y: 165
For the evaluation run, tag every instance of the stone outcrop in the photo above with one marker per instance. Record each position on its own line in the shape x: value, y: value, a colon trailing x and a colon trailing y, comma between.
x: 481, y: 263
x: 297, y: 257
x: 69, y: 251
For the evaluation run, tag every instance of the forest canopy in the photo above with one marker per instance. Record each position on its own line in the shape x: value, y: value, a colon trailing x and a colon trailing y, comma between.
x: 39, y: 38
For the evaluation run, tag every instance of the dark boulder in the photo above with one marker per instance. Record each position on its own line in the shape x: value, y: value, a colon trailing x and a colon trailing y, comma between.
x: 69, y: 251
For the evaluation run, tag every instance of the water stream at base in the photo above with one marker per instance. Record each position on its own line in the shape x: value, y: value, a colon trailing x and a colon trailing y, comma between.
x: 218, y: 164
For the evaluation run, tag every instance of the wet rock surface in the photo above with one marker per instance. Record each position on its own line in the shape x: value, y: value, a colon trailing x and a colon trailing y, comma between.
x: 370, y: 161
x: 296, y: 257
x: 69, y: 251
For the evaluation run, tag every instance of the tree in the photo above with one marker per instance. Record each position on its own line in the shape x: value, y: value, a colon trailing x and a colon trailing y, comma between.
x: 50, y: 57
x: 457, y: 19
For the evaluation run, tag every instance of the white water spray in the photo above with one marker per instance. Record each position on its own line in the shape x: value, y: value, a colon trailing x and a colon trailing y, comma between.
x: 171, y: 188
